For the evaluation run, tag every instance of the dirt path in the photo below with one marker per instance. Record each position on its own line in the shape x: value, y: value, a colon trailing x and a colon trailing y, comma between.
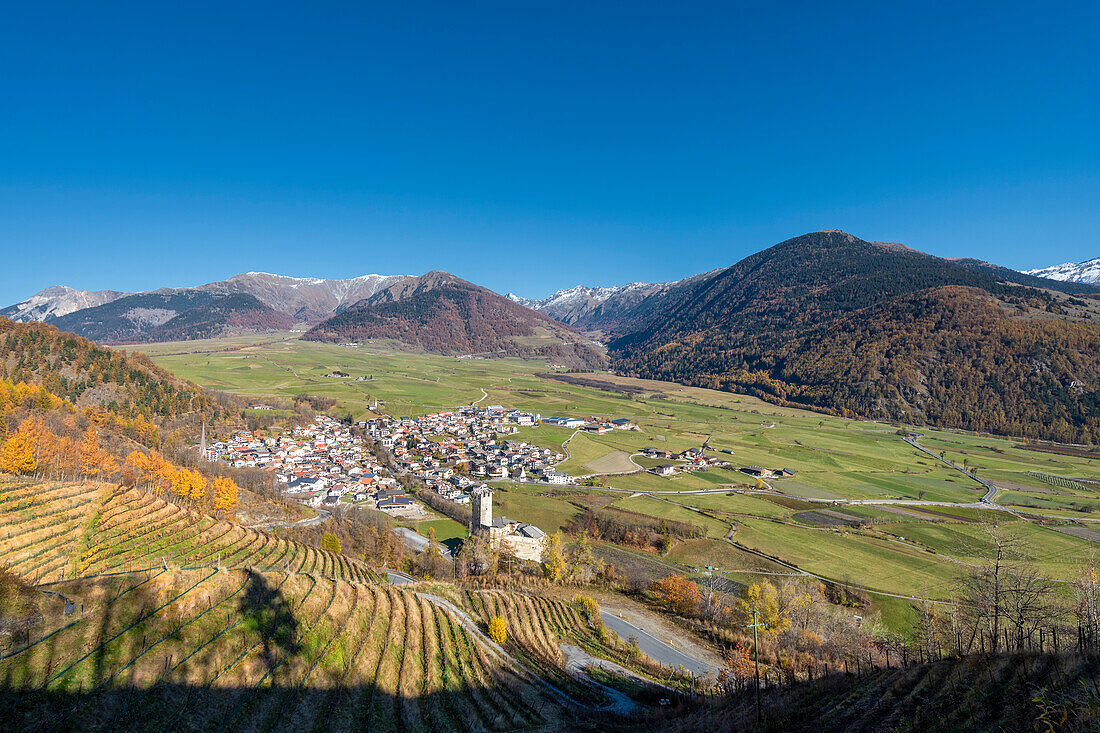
x: 577, y: 662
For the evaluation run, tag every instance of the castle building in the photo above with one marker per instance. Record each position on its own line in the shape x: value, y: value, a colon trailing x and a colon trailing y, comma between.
x: 481, y: 510
x: 525, y: 541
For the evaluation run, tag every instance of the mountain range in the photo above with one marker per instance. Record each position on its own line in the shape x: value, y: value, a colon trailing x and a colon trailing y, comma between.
x: 1080, y: 272
x: 604, y: 310
x: 253, y: 301
x: 825, y: 320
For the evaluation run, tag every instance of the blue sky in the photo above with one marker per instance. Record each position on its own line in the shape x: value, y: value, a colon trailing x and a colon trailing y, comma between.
x: 528, y: 147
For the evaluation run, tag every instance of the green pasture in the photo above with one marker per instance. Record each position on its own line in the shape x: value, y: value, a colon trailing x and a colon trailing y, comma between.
x: 547, y: 513
x: 834, y: 458
x: 714, y: 528
x: 850, y: 557
x: 724, y: 556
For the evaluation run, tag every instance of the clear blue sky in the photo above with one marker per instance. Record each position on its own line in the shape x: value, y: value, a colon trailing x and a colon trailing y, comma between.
x: 532, y: 146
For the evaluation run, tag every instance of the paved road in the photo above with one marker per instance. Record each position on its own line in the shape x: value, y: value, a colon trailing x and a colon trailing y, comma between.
x: 565, y: 445
x: 577, y: 662
x: 991, y: 490
x: 399, y: 578
x: 654, y: 647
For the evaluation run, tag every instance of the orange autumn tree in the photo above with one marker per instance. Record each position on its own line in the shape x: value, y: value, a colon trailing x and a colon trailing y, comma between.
x: 681, y: 595
x: 151, y: 470
x: 19, y: 453
x: 94, y: 461
x: 225, y: 494
x: 190, y: 485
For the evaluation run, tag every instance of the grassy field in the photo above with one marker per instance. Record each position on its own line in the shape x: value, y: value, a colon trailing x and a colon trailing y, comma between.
x: 876, y: 563
x: 549, y: 514
x: 833, y: 458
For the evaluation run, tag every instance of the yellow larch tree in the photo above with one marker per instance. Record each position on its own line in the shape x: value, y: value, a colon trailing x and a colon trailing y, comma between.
x: 225, y: 494
x: 18, y: 455
x: 764, y: 598
x: 93, y: 459
x: 498, y: 630
x: 197, y: 486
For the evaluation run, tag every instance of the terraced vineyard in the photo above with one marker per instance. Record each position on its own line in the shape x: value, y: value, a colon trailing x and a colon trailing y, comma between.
x: 53, y: 531
x: 206, y: 649
x: 153, y: 616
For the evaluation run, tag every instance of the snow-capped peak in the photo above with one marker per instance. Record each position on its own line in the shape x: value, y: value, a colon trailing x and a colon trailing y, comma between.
x: 1078, y: 272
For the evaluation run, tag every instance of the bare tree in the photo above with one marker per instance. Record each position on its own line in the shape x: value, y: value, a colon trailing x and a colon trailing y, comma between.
x: 1086, y: 598
x: 986, y: 589
x: 1030, y: 602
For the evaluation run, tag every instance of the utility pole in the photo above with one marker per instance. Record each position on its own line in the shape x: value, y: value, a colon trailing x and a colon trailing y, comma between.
x: 756, y: 658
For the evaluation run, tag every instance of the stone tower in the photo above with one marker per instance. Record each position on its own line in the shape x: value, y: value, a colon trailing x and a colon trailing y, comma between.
x: 481, y: 509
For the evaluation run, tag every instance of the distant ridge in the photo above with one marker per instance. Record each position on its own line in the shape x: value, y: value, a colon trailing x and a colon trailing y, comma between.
x: 1080, y: 272
x: 444, y: 314
x: 249, y: 302
x: 606, y: 310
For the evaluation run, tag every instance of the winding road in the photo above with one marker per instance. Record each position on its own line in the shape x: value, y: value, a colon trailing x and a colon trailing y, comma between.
x: 991, y: 490
x: 654, y: 647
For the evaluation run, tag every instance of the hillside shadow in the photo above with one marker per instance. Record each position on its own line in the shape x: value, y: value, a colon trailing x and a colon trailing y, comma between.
x: 265, y: 611
x: 283, y: 707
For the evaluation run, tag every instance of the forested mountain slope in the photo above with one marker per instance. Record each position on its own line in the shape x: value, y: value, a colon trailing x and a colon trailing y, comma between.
x: 86, y: 374
x: 447, y: 315
x: 836, y: 323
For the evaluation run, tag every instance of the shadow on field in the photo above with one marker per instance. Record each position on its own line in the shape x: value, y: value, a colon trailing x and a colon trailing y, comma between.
x: 267, y: 613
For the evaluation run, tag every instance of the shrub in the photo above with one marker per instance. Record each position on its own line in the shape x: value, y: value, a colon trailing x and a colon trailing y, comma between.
x: 589, y: 608
x: 330, y: 542
x: 681, y: 595
x: 498, y: 631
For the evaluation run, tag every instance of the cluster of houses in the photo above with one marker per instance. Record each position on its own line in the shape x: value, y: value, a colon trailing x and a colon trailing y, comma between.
x: 694, y: 459
x: 318, y: 464
x: 456, y: 450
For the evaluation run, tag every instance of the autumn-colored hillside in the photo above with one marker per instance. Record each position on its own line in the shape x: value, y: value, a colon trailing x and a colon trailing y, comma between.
x: 855, y: 328
x: 444, y: 314
x: 70, y: 409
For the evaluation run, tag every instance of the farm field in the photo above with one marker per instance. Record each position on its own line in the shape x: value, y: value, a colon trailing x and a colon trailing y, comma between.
x: 833, y: 458
x: 548, y: 513
x: 877, y: 564
x: 49, y: 532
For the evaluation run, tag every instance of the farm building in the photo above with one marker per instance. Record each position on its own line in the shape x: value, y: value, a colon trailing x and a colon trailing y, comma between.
x: 756, y: 471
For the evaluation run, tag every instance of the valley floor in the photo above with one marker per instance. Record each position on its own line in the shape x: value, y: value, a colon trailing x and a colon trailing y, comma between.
x: 863, y: 506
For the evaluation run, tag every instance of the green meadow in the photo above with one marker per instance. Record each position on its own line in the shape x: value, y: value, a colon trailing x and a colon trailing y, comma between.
x: 832, y: 458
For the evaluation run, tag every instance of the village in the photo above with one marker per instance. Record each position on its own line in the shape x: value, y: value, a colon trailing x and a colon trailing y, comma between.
x: 453, y: 453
